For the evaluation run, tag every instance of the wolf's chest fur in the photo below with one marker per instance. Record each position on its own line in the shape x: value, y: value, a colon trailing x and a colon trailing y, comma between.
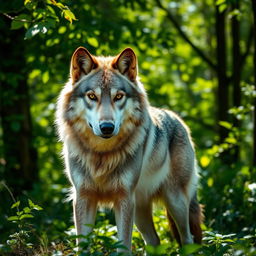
x: 141, y: 159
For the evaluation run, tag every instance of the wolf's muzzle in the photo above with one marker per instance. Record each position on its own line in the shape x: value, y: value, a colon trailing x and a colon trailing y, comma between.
x: 107, y: 128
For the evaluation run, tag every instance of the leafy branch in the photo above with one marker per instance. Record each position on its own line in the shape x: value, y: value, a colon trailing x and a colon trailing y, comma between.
x: 67, y: 13
x: 196, y: 48
x: 39, y: 19
x: 185, y: 36
x: 17, y: 18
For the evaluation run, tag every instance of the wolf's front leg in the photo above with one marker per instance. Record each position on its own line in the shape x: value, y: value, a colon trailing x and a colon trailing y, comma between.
x: 84, y: 216
x: 124, y: 214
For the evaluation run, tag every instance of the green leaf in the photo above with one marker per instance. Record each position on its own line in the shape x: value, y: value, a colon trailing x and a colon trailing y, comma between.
x: 26, y: 216
x: 17, y: 204
x: 219, y: 2
x: 60, y: 5
x: 189, y: 248
x: 34, y: 206
x: 38, y: 208
x: 30, y: 203
x: 93, y: 42
x: 150, y: 249
x: 30, y: 4
x: 27, y: 1
x: 205, y: 161
x: 69, y: 15
x: 162, y: 249
x: 16, y: 24
x: 210, y: 182
x: 62, y: 30
x: 13, y: 218
x: 231, y: 140
x: 222, y: 7
x: 45, y: 77
x: 32, y: 32
x: 27, y: 210
x: 157, y: 250
x: 37, y: 28
x: 20, y: 20
x: 226, y: 124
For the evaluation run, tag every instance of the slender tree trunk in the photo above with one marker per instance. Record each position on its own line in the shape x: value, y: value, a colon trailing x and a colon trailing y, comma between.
x: 254, y: 61
x: 222, y: 91
x: 20, y: 157
x: 236, y: 59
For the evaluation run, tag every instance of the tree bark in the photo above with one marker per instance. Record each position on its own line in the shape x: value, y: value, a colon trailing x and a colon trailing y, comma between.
x: 254, y: 63
x: 223, y: 86
x: 20, y: 156
x: 236, y: 67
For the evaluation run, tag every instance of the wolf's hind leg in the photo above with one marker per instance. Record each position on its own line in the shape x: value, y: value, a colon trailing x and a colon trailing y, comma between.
x: 174, y: 230
x: 144, y: 222
x: 195, y: 219
x: 177, y: 205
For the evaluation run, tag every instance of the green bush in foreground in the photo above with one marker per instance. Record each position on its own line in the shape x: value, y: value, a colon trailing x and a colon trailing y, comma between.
x: 102, y: 241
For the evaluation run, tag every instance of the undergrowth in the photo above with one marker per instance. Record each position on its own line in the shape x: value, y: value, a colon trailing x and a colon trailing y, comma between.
x: 26, y: 240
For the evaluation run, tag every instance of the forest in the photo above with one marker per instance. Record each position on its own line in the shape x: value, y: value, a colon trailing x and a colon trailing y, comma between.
x: 196, y: 58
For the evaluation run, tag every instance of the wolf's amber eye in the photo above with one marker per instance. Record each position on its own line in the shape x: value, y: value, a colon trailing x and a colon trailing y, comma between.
x: 118, y: 97
x: 92, y: 96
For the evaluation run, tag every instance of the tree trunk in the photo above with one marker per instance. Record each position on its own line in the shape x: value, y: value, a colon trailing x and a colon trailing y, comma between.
x: 236, y: 72
x: 222, y: 91
x: 20, y: 157
x: 254, y: 62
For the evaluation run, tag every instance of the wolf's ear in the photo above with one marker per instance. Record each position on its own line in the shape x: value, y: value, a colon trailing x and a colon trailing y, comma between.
x: 82, y: 63
x: 126, y: 63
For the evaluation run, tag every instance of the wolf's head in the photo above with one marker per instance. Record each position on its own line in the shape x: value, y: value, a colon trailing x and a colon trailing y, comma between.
x: 105, y: 96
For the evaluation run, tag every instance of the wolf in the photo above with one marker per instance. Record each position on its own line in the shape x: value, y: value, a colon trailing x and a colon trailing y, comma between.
x: 123, y: 153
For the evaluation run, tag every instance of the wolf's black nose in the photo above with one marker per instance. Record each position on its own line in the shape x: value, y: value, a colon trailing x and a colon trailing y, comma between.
x: 107, y: 128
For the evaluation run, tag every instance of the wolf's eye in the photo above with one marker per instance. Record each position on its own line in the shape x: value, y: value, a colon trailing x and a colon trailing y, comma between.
x: 119, y: 96
x: 92, y: 96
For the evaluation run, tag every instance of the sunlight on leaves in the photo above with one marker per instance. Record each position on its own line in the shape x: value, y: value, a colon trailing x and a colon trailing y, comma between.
x: 205, y: 161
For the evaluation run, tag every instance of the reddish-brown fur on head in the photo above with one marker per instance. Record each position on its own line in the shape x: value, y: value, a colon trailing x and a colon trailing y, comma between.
x: 82, y: 63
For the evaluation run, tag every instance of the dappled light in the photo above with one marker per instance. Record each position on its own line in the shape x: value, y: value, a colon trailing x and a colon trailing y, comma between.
x: 195, y: 58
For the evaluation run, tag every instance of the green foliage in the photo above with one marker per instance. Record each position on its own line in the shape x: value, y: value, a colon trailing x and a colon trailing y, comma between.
x: 40, y: 16
x: 102, y: 241
x: 19, y: 243
x: 175, y: 77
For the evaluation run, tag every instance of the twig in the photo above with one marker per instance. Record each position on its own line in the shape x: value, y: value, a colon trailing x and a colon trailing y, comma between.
x: 10, y: 192
x: 246, y: 52
x: 14, y: 18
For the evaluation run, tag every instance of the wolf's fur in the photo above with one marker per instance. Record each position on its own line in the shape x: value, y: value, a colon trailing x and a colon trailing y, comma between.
x: 149, y: 154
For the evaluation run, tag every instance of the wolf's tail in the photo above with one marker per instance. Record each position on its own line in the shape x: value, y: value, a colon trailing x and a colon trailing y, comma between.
x: 195, y: 219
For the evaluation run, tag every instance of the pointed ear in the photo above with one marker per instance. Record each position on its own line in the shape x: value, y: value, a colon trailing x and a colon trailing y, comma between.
x: 126, y: 63
x: 82, y: 63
